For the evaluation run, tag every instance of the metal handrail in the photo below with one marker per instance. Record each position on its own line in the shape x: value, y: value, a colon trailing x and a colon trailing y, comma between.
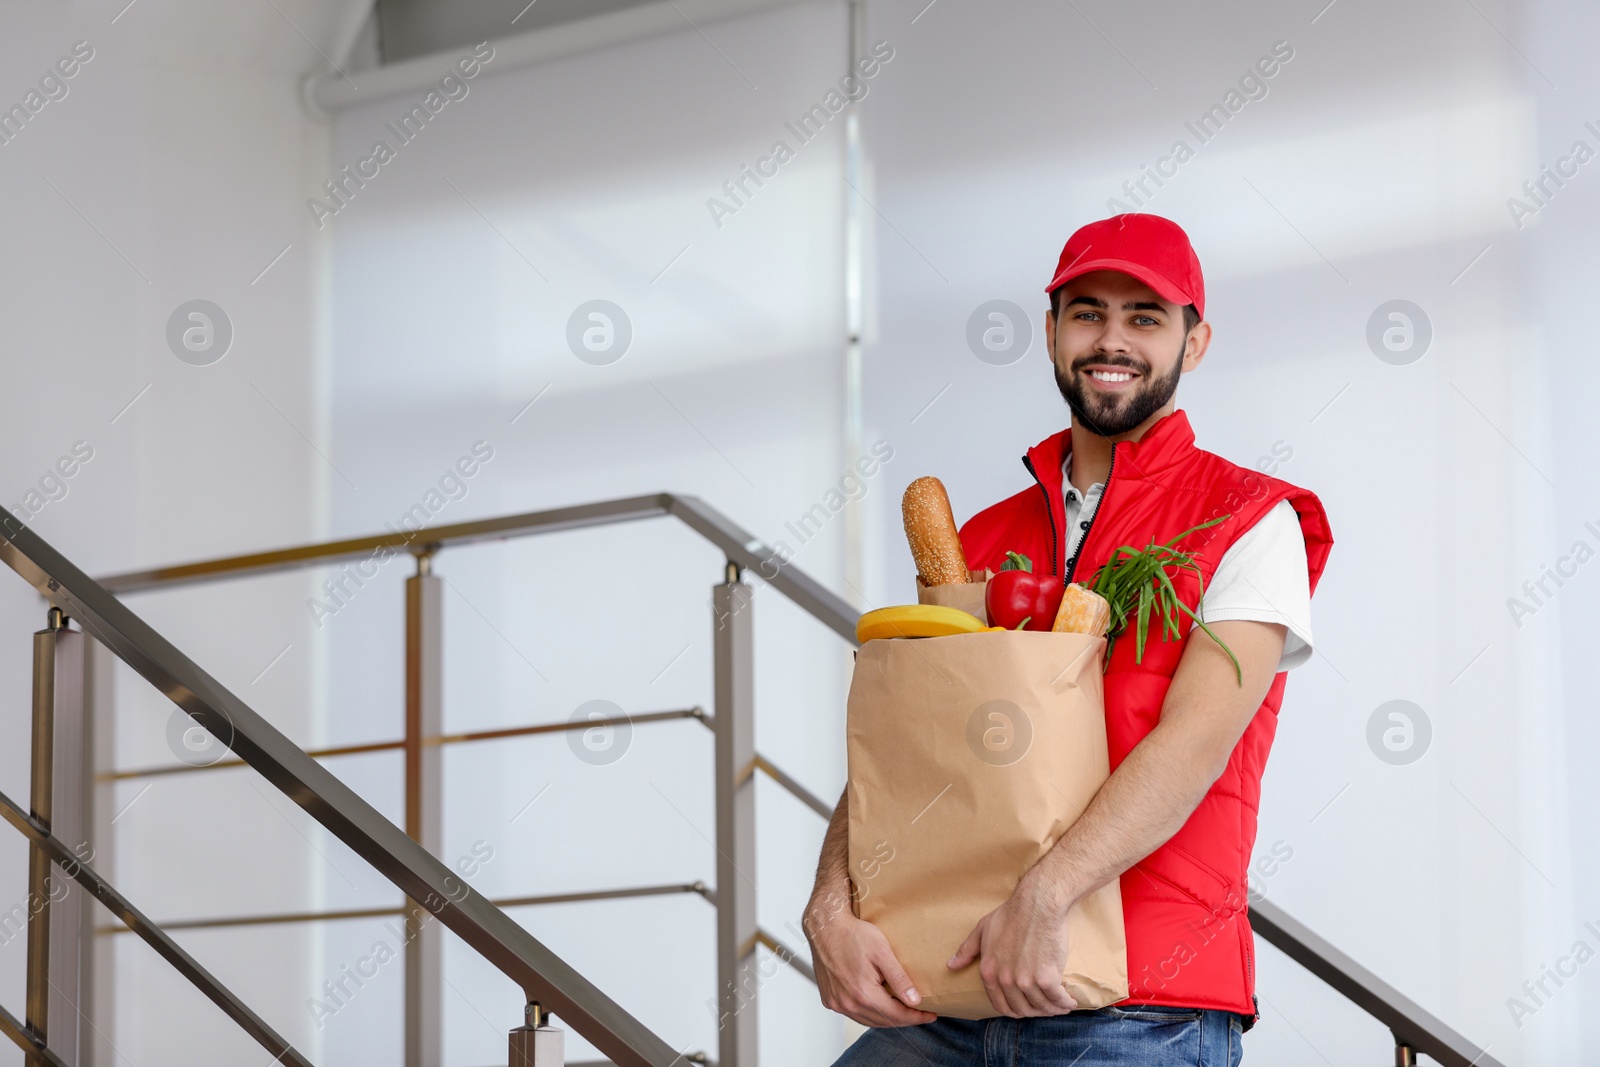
x: 1413, y: 1027
x: 749, y: 552
x: 544, y: 977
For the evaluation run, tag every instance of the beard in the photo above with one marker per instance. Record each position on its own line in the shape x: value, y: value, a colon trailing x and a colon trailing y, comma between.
x: 1114, y: 414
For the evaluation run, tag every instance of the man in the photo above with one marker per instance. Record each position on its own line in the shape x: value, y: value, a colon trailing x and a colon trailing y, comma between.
x: 1188, y: 739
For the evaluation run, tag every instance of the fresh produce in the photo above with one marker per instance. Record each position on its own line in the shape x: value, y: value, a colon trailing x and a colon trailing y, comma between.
x: 916, y: 620
x: 1019, y: 599
x: 931, y: 530
x: 1136, y: 585
x: 1082, y: 611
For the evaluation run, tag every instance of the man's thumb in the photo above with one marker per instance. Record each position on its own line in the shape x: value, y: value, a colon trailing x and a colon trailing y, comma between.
x: 968, y: 950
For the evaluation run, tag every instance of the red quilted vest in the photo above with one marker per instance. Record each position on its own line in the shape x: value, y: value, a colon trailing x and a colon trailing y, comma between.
x: 1189, y: 939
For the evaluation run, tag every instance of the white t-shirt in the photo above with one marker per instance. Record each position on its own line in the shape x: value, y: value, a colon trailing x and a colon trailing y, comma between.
x: 1262, y: 575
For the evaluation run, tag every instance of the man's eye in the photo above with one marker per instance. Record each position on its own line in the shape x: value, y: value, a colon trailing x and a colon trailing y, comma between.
x: 1147, y: 318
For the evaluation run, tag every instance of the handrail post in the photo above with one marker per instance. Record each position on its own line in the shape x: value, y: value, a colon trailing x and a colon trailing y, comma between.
x: 57, y: 909
x: 424, y: 1044
x: 734, y: 692
x: 1404, y: 1054
x: 536, y: 1043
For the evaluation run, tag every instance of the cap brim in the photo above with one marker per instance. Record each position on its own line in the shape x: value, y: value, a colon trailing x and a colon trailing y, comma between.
x: 1163, y: 286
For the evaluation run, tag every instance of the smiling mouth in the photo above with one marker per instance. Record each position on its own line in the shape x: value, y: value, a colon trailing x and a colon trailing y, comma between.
x: 1110, y: 377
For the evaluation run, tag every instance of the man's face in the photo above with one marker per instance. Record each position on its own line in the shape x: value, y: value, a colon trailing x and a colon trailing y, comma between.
x: 1118, y: 350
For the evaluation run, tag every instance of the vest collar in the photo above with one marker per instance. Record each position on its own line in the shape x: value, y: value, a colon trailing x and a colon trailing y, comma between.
x: 1163, y: 445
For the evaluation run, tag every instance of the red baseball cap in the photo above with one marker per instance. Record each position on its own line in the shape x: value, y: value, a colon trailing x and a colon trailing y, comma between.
x: 1153, y: 249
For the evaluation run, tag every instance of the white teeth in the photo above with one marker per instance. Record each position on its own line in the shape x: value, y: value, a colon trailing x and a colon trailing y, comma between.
x: 1110, y: 376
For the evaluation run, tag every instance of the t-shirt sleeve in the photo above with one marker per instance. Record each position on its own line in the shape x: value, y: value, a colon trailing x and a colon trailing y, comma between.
x: 1263, y: 576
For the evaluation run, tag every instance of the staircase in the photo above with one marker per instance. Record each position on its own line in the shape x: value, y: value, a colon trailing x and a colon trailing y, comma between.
x: 71, y: 694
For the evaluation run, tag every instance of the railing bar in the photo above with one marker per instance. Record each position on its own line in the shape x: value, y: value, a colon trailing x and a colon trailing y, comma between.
x: 316, y: 753
x: 265, y: 920
x: 380, y: 913
x: 602, y: 894
x: 446, y: 739
x: 581, y: 724
x: 25, y: 1040
x: 153, y: 935
x: 801, y: 793
x: 580, y: 516
x: 786, y: 954
x: 1410, y: 1022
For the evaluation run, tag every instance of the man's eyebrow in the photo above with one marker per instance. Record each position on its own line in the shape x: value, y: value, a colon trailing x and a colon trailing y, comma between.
x: 1096, y: 302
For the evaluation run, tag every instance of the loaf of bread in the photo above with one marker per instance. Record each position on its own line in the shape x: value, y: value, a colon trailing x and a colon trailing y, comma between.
x: 1082, y: 611
x: 931, y: 531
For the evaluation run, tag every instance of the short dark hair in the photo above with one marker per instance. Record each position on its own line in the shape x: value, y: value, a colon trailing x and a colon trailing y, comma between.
x: 1191, y: 317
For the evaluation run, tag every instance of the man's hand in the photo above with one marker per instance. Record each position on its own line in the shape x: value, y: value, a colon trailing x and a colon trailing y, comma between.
x: 1022, y: 945
x: 1022, y: 949
x: 853, y: 961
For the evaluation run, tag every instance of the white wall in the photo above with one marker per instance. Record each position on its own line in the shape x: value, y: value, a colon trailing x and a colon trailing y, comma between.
x: 173, y: 169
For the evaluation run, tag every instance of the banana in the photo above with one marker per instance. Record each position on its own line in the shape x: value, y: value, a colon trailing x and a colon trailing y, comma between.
x: 916, y: 620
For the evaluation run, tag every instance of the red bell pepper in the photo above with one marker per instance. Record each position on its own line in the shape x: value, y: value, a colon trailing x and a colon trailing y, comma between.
x: 1019, y: 599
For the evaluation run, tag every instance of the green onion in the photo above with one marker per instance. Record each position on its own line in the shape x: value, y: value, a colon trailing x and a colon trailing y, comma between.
x: 1135, y: 582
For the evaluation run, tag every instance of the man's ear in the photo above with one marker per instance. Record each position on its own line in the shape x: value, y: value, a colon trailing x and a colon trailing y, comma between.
x: 1050, y: 335
x: 1195, y: 345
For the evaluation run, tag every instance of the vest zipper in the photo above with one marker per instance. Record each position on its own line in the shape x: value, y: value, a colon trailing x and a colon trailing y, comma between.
x: 1050, y: 513
x: 1250, y: 974
x: 1072, y: 564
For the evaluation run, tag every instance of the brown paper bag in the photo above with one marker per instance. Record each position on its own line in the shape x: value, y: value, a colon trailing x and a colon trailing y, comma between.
x: 965, y: 596
x: 968, y: 757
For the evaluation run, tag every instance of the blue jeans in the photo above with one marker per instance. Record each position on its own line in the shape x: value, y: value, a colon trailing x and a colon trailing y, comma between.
x: 1110, y: 1037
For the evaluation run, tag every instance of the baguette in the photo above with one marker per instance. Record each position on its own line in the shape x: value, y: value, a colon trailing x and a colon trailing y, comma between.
x: 1082, y: 611
x: 931, y: 531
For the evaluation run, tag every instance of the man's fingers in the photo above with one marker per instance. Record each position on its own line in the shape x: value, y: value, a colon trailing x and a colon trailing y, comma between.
x: 1016, y: 1000
x: 991, y: 987
x: 1028, y: 998
x: 853, y: 965
x: 1059, y: 999
x: 895, y: 977
x: 875, y: 1007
